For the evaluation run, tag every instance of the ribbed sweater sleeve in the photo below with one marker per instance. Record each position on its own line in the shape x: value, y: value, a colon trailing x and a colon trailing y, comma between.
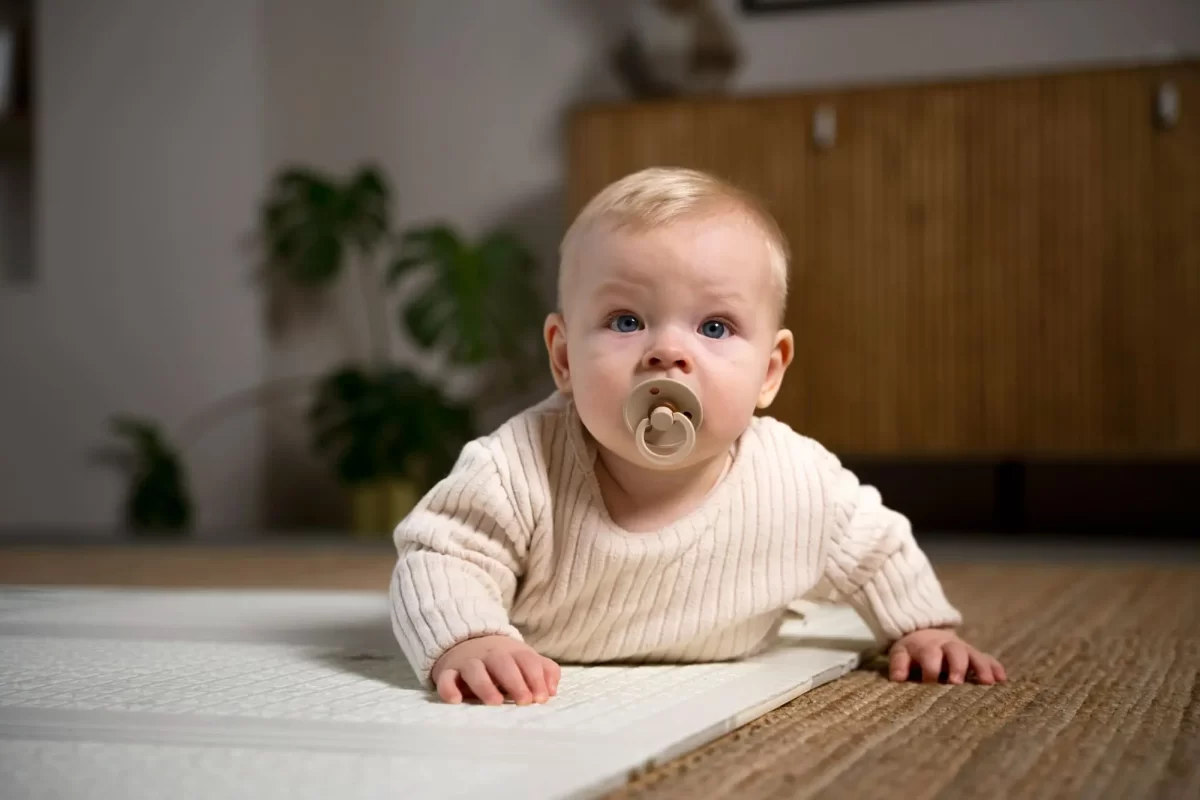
x: 460, y: 555
x: 874, y: 563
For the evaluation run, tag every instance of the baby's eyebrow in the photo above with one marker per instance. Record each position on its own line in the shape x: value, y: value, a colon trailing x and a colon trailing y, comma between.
x: 733, y: 297
x: 618, y: 287
x: 722, y: 298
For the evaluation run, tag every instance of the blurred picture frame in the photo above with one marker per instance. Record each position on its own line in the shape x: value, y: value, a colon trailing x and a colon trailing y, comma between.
x: 8, y: 48
x: 16, y: 58
x: 771, y: 6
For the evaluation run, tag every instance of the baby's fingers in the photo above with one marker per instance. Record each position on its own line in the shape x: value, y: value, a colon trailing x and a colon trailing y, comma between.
x: 930, y: 658
x: 531, y: 667
x: 982, y: 664
x: 508, y: 676
x: 480, y: 682
x: 958, y: 658
x: 553, y: 675
x: 901, y: 664
x: 447, y: 686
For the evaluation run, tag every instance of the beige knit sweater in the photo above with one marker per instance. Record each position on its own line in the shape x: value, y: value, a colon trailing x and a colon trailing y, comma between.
x: 517, y: 541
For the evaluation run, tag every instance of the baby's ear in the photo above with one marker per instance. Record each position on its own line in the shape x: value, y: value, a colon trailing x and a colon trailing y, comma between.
x: 555, y: 333
x: 781, y: 357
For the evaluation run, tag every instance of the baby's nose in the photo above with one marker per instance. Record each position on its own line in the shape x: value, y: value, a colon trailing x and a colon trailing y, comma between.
x: 667, y: 356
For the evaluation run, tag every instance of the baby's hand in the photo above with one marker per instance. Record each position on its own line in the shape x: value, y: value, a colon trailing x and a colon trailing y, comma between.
x: 927, y: 648
x: 485, y: 665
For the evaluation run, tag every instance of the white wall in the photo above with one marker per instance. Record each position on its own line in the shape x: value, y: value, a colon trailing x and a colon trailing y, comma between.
x: 149, y: 159
x: 898, y: 41
x: 161, y: 121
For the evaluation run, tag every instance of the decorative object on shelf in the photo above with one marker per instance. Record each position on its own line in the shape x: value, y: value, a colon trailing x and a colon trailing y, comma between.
x: 676, y: 48
x: 1166, y: 106
x: 389, y: 432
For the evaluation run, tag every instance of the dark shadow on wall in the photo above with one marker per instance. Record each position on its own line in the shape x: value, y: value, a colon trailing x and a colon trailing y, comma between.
x: 302, y: 494
x: 306, y: 334
x: 539, y: 219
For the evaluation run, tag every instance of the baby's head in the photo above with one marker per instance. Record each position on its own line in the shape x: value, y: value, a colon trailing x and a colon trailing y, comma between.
x: 671, y: 273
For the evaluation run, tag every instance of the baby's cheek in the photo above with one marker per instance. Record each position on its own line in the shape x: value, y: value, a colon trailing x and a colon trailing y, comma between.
x: 724, y: 421
x: 608, y: 365
x: 730, y: 404
x: 598, y: 395
x: 736, y: 372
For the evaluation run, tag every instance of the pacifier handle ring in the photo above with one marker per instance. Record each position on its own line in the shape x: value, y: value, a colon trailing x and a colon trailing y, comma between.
x: 680, y: 453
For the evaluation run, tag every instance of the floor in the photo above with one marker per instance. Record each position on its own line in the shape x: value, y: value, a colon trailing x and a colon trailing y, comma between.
x: 1100, y: 636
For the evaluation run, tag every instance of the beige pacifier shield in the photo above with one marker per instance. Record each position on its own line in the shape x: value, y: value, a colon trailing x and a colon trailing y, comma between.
x: 656, y: 392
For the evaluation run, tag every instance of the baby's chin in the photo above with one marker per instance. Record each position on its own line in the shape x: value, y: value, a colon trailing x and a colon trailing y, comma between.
x: 614, y: 443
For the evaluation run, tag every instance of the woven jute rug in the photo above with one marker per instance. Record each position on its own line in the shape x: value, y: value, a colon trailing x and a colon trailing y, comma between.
x: 1102, y: 701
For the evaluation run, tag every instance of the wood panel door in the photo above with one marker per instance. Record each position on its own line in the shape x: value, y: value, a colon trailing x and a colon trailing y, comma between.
x: 999, y: 268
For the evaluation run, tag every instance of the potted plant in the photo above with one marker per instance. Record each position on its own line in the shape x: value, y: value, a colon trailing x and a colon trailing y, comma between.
x: 389, y: 432
x: 157, y: 501
x: 390, y: 435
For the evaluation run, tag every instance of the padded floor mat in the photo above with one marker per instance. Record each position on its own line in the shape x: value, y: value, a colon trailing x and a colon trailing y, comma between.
x: 131, y: 694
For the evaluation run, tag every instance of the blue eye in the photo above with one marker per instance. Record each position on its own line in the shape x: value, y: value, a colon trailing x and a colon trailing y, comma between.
x: 714, y: 329
x: 625, y: 323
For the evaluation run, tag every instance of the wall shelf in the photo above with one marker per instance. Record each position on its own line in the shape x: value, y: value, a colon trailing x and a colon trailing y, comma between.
x: 16, y: 135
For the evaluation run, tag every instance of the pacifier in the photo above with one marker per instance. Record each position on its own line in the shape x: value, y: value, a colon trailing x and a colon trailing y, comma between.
x: 663, y: 415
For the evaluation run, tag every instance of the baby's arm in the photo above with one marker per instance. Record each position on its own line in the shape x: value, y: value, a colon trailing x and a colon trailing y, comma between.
x: 460, y: 554
x: 873, y: 561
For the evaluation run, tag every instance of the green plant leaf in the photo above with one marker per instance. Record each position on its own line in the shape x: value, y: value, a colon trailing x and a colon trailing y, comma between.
x: 429, y: 317
x: 365, y: 209
x: 481, y: 303
x: 157, y: 499
x: 310, y: 222
x: 401, y: 267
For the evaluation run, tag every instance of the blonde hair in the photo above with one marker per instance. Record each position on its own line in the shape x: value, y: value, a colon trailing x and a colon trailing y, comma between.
x: 661, y: 195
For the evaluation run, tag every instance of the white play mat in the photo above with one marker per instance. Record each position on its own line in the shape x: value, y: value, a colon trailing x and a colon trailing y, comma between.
x: 232, y: 694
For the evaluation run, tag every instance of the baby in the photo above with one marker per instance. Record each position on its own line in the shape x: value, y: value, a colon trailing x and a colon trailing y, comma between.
x: 644, y: 512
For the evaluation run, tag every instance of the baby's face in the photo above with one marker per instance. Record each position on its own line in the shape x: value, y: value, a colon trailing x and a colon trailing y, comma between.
x: 693, y: 301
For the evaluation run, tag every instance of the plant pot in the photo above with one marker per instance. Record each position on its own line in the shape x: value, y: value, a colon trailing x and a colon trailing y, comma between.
x: 378, y: 506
